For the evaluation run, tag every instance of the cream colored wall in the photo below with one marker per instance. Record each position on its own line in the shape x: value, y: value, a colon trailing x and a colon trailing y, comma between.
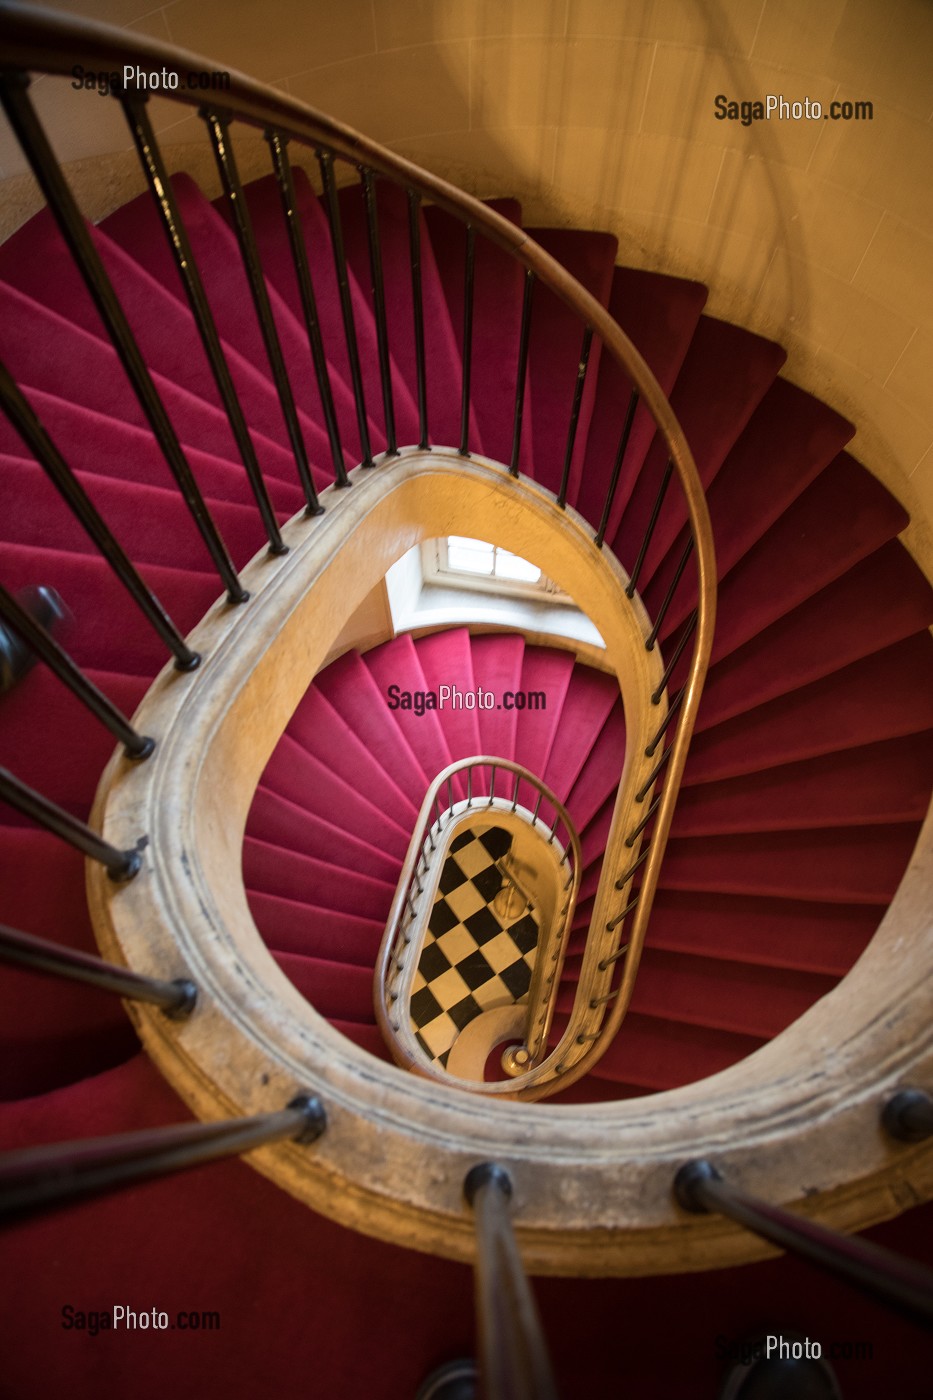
x: 600, y: 112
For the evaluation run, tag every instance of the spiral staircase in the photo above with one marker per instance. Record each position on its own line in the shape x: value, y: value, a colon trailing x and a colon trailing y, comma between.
x: 806, y: 785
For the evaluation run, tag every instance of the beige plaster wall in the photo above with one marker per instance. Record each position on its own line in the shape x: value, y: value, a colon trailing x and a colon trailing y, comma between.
x: 600, y: 113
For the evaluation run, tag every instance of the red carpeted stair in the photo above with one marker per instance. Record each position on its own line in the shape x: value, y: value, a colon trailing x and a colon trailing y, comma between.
x: 809, y: 777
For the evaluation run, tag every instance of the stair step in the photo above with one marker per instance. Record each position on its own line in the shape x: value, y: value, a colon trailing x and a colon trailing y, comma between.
x: 879, y: 783
x: 790, y: 438
x: 217, y: 256
x: 860, y: 865
x: 725, y: 376
x: 555, y: 348
x: 272, y: 239
x: 441, y: 339
x: 305, y: 879
x: 884, y: 696
x: 660, y: 315
x: 881, y: 601
x: 497, y: 314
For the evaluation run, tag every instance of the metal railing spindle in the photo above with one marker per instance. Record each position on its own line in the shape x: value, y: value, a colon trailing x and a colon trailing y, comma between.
x: 177, y: 998
x: 466, y: 359
x: 379, y: 303
x: 522, y: 371
x: 31, y: 430
x: 898, y: 1283
x: 120, y: 865
x: 57, y: 659
x: 332, y: 208
x: 61, y: 201
x: 160, y: 187
x: 617, y: 468
x: 219, y: 132
x: 514, y: 1362
x: 649, y: 531
x: 39, y: 1178
x: 575, y: 415
x: 283, y: 175
x: 417, y: 301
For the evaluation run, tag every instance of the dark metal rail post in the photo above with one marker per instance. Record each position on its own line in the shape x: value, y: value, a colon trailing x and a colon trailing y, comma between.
x: 57, y: 659
x: 469, y: 274
x: 120, y: 865
x: 22, y: 416
x: 900, y: 1284
x: 160, y: 186
x: 379, y: 303
x: 278, y: 144
x: 909, y: 1116
x: 34, y: 1179
x: 332, y: 207
x: 575, y: 415
x: 61, y: 202
x: 417, y: 301
x: 219, y: 132
x: 617, y: 468
x: 523, y: 338
x: 514, y: 1362
x: 176, y: 998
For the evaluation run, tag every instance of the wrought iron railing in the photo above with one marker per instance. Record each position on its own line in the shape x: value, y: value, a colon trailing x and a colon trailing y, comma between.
x: 34, y: 41
x: 52, y: 44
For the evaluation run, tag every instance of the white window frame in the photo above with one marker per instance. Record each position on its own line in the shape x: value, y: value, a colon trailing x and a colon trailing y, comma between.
x: 437, y: 570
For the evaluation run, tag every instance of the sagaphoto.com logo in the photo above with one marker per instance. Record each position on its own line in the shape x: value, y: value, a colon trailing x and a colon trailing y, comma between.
x: 132, y: 78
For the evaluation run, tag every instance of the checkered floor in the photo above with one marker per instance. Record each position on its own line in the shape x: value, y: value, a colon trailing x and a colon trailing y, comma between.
x: 479, y: 950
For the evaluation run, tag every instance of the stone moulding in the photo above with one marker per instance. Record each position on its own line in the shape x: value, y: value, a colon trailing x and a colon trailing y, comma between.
x: 796, y: 1121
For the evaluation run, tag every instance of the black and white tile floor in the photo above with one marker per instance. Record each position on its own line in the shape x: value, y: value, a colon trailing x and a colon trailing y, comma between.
x: 478, y: 951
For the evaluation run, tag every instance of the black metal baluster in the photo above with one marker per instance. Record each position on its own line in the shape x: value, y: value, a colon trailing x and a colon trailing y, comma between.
x: 417, y: 301
x: 467, y: 350
x: 61, y: 202
x: 121, y: 865
x: 908, y: 1116
x: 36, y: 1178
x: 650, y: 780
x: 379, y: 303
x: 522, y: 371
x: 656, y: 511
x: 624, y: 878
x: 678, y: 650
x: 332, y: 206
x: 24, y: 420
x: 219, y: 132
x: 160, y: 187
x: 901, y: 1284
x: 617, y: 468
x: 614, y: 923
x: 57, y: 659
x: 668, y: 597
x: 665, y: 725
x: 514, y: 1362
x: 575, y: 415
x: 633, y: 835
x: 278, y: 145
x: 177, y: 999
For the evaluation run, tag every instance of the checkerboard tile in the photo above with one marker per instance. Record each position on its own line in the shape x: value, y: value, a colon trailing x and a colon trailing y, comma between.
x: 472, y: 960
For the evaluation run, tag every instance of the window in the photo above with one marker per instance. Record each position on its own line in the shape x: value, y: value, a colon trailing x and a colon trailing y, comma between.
x: 467, y: 563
